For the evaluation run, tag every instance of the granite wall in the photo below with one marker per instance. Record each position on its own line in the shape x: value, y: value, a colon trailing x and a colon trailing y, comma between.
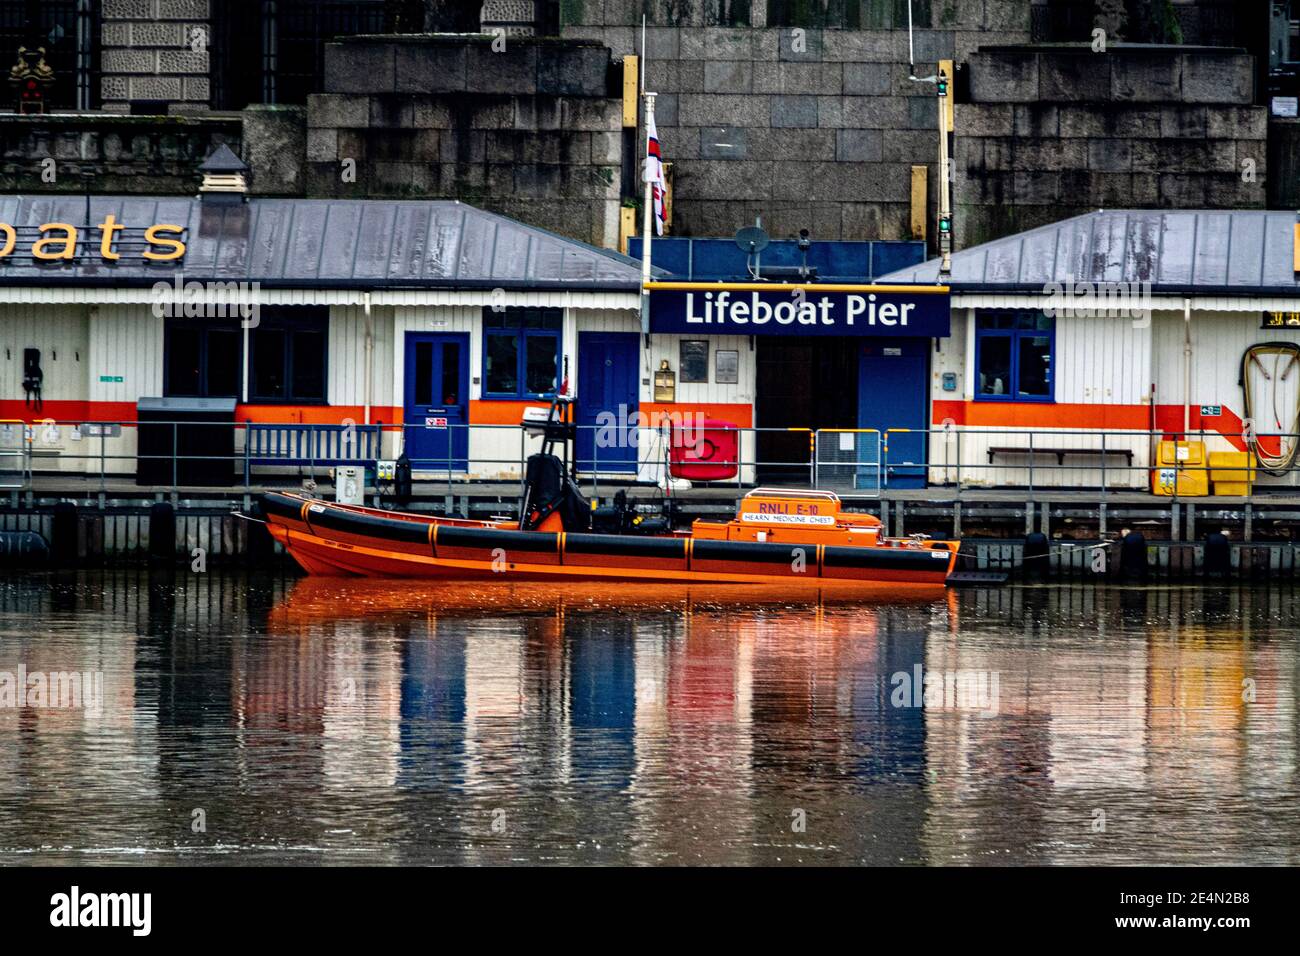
x: 110, y: 154
x: 1050, y: 133
x: 800, y: 112
x: 533, y: 130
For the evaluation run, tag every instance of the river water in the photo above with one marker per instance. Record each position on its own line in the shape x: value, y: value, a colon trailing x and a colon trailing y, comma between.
x: 257, y: 720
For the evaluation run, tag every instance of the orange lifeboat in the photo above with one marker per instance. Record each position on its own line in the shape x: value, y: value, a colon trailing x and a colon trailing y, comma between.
x: 778, y: 537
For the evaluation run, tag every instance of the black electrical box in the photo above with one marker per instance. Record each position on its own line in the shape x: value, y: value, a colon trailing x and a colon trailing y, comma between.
x: 185, y: 441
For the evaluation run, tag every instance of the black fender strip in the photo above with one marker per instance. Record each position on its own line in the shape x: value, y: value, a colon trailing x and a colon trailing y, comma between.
x: 374, y: 526
x: 625, y: 546
x: 533, y: 542
x: 751, y: 551
x: 281, y: 505
x: 897, y: 559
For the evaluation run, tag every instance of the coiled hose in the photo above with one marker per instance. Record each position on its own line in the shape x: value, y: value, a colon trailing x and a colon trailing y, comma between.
x: 1285, y: 357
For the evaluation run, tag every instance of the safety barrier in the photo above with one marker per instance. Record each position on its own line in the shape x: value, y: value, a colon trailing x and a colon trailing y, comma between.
x: 849, y: 460
x: 852, y: 462
x: 14, y: 462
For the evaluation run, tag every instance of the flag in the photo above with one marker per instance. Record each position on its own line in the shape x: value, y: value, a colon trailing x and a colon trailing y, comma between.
x: 654, y: 173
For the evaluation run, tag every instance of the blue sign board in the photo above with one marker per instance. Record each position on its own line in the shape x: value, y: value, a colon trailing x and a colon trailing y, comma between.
x: 746, y: 309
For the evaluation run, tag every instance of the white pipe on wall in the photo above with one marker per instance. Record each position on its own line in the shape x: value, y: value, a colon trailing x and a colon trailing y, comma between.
x: 370, y: 353
x: 1187, y: 367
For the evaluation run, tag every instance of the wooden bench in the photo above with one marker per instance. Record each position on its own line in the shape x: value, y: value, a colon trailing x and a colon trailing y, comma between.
x: 1060, y: 453
x: 306, y: 444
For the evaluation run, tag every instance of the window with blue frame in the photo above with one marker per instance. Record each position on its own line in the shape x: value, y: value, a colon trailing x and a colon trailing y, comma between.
x: 1014, y: 355
x: 521, y: 352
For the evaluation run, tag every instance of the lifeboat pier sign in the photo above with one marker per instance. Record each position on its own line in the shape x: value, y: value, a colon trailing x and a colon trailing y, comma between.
x: 772, y: 308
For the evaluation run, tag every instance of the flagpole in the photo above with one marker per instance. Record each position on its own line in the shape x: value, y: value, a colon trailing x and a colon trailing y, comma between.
x: 648, y: 211
x: 647, y: 227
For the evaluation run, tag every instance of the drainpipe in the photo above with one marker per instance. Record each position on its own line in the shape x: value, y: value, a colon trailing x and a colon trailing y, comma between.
x: 370, y: 351
x: 1187, y: 368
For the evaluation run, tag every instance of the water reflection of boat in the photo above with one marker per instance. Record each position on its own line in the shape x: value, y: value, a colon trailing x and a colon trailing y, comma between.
x: 333, y: 598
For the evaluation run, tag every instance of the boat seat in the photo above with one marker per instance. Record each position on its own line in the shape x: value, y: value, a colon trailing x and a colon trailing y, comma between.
x: 551, y: 491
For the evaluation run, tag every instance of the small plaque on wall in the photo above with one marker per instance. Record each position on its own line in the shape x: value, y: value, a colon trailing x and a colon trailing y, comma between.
x: 727, y: 367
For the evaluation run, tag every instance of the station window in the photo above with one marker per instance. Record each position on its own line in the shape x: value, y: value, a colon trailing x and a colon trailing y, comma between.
x: 202, y: 359
x: 287, y: 357
x: 521, y: 352
x: 1014, y: 356
x: 287, y: 360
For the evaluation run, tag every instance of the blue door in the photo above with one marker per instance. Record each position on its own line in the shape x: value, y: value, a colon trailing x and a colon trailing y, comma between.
x: 436, y: 403
x: 892, y: 387
x: 607, y: 396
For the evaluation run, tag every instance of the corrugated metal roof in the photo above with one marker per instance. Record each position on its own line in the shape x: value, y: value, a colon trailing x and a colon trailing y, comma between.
x: 1232, y: 252
x: 313, y: 243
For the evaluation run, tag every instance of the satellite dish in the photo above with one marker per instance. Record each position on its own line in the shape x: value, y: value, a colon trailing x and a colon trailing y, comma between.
x: 752, y: 240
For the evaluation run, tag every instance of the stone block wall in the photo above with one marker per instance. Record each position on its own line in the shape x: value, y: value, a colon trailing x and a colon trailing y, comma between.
x: 155, y: 51
x: 114, y: 154
x: 531, y: 131
x: 1051, y: 133
x: 801, y: 113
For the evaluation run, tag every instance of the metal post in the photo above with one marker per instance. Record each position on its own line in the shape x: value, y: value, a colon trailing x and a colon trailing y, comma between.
x: 812, y: 457
x: 174, y: 483
x: 1031, y: 461
x: 958, y: 462
x: 102, y: 440
x: 1103, y: 464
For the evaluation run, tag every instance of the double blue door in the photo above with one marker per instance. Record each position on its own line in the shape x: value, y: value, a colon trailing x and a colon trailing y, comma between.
x: 892, y: 387
x: 607, y: 406
x: 437, y: 401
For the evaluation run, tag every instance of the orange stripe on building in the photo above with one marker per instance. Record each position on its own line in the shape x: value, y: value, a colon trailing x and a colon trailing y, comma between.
x: 737, y: 413
x: 1079, y: 417
x: 501, y: 411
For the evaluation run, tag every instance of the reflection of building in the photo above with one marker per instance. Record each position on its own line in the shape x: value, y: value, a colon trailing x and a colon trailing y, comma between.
x: 1101, y: 711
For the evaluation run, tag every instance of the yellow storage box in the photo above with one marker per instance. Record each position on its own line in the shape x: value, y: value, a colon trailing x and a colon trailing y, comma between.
x: 1181, y: 463
x: 1232, y: 489
x: 1232, y: 466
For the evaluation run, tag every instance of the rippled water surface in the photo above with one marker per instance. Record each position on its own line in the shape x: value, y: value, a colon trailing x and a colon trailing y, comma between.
x: 265, y: 720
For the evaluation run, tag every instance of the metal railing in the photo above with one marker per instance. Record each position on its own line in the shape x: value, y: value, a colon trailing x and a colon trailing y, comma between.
x: 15, y: 470
x: 854, y: 462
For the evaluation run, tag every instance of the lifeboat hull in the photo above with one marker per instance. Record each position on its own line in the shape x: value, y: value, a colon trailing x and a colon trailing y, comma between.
x: 331, y: 539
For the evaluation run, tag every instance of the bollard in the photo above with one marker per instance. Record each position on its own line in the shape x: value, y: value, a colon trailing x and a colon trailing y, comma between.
x: 1133, y: 555
x: 1218, y: 555
x: 64, y: 535
x: 1035, y: 563
x: 162, y: 532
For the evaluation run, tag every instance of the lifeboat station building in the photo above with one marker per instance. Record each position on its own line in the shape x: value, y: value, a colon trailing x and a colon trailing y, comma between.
x: 313, y: 332
x: 1103, y: 340
x: 319, y: 331
x: 306, y: 323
